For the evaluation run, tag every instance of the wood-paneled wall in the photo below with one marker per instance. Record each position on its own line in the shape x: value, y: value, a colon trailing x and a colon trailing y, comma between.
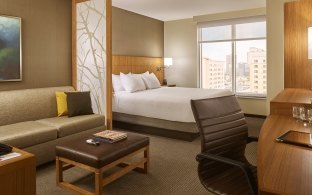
x: 134, y: 64
x: 297, y: 67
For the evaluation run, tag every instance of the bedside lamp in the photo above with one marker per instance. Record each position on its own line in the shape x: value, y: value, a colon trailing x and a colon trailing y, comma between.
x: 167, y: 64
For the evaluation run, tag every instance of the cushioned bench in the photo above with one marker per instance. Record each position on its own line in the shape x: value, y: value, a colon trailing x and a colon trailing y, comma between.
x: 99, y: 159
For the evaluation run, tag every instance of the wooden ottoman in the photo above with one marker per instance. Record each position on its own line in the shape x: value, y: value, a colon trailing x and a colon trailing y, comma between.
x: 99, y: 159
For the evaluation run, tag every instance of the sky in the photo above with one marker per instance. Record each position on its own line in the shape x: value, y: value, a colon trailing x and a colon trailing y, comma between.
x: 218, y: 51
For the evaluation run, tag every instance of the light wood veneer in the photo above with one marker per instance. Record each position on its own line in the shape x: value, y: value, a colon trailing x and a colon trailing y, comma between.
x: 109, y: 90
x: 135, y: 64
x: 282, y: 104
x: 18, y: 175
x: 283, y: 168
x: 297, y: 66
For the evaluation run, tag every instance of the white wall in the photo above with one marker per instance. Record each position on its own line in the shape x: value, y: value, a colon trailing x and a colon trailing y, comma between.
x: 275, y: 48
x: 180, y: 38
x: 180, y: 43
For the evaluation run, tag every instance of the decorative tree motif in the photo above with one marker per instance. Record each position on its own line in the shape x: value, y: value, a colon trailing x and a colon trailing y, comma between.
x: 91, y: 51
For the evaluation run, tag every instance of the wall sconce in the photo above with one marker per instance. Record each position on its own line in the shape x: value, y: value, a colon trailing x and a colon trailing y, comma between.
x: 167, y: 64
x: 310, y: 43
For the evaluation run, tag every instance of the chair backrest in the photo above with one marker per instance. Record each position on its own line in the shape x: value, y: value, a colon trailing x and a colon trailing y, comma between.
x: 222, y: 126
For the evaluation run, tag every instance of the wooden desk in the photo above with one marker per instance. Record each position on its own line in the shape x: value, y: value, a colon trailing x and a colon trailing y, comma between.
x: 283, y: 168
x: 282, y: 104
x: 18, y: 175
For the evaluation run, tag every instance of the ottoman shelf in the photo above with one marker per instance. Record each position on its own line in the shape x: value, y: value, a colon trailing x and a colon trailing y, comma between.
x: 99, y: 159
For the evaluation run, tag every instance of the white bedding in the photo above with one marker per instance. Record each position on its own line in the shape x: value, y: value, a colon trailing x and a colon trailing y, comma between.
x: 168, y: 103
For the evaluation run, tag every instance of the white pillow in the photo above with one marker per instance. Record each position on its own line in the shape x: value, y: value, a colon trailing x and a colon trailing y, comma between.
x: 141, y: 74
x: 132, y: 82
x: 117, y: 85
x: 151, y: 81
x: 145, y: 73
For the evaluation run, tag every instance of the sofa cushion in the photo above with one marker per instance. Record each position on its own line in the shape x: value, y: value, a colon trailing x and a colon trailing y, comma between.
x: 61, y: 103
x: 79, y: 103
x: 25, y: 134
x: 70, y: 125
x: 28, y: 104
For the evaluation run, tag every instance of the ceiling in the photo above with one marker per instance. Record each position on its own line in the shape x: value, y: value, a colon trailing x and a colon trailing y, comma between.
x: 167, y: 10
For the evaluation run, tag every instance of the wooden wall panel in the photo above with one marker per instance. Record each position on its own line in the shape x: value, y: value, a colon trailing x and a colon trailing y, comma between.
x: 109, y: 112
x: 134, y: 64
x: 297, y: 67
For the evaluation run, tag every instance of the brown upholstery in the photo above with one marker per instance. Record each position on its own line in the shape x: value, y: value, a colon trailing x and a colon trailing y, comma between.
x: 224, y: 135
x: 98, y: 156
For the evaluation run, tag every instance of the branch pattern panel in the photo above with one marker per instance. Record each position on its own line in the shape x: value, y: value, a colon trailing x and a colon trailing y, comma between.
x: 91, y: 51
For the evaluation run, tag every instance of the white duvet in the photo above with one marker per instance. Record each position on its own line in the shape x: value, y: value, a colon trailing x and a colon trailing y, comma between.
x: 168, y: 103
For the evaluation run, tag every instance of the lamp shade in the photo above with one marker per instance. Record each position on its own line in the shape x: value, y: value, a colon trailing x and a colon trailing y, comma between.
x: 167, y: 61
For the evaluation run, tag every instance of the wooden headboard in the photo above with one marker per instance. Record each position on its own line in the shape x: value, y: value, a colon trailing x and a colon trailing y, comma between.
x: 134, y: 64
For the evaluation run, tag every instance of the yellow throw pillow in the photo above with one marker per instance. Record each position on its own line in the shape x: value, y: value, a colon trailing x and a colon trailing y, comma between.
x: 61, y: 101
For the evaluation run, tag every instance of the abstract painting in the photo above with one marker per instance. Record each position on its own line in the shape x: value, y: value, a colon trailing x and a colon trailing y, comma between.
x: 10, y: 49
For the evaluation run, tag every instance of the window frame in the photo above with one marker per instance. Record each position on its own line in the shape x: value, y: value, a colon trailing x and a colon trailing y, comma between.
x: 233, y: 40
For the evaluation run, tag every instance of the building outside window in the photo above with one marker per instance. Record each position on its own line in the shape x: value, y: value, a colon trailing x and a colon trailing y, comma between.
x: 236, y: 51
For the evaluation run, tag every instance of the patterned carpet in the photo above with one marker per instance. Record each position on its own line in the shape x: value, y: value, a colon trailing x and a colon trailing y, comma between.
x: 173, y: 170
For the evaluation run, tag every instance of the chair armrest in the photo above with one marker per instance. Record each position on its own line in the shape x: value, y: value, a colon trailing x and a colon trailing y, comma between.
x: 244, y: 167
x: 252, y: 139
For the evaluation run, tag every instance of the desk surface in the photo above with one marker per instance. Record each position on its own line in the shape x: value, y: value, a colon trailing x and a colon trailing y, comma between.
x: 283, y: 168
x: 24, y: 155
x: 282, y: 104
x: 294, y: 95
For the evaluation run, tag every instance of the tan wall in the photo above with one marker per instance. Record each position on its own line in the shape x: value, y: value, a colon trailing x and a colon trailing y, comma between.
x: 181, y: 45
x: 46, y: 42
x: 136, y: 35
x: 275, y: 48
x: 253, y: 106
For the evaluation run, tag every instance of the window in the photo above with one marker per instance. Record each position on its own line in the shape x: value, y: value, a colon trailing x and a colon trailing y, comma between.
x: 236, y: 49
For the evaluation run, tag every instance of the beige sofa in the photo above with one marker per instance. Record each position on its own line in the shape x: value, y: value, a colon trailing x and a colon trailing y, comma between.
x: 28, y: 120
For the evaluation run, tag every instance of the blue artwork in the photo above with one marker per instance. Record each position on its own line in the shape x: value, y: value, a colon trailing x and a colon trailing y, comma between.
x: 10, y: 49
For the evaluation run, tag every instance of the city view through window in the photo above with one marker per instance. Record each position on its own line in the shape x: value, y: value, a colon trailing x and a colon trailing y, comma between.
x: 234, y: 61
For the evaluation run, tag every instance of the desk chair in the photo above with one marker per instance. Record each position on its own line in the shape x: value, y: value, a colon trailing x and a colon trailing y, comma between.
x: 222, y: 166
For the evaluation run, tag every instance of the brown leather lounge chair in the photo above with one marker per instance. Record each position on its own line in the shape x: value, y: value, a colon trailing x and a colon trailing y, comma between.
x: 222, y: 166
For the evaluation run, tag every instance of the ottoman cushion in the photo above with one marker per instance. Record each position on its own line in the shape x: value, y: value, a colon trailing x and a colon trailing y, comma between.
x: 98, y: 156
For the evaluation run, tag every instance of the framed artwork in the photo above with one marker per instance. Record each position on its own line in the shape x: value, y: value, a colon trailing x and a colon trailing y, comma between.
x: 10, y: 49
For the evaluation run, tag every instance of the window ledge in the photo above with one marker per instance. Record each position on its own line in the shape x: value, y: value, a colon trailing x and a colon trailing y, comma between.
x: 251, y: 97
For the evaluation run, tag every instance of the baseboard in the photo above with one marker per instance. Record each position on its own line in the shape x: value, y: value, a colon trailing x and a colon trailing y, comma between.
x: 156, y: 131
x: 255, y: 115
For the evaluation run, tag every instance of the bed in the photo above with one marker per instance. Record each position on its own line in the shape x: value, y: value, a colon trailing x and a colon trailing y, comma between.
x: 165, y: 111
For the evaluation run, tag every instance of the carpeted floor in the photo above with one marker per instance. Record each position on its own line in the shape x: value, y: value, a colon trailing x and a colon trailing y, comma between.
x: 173, y: 170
